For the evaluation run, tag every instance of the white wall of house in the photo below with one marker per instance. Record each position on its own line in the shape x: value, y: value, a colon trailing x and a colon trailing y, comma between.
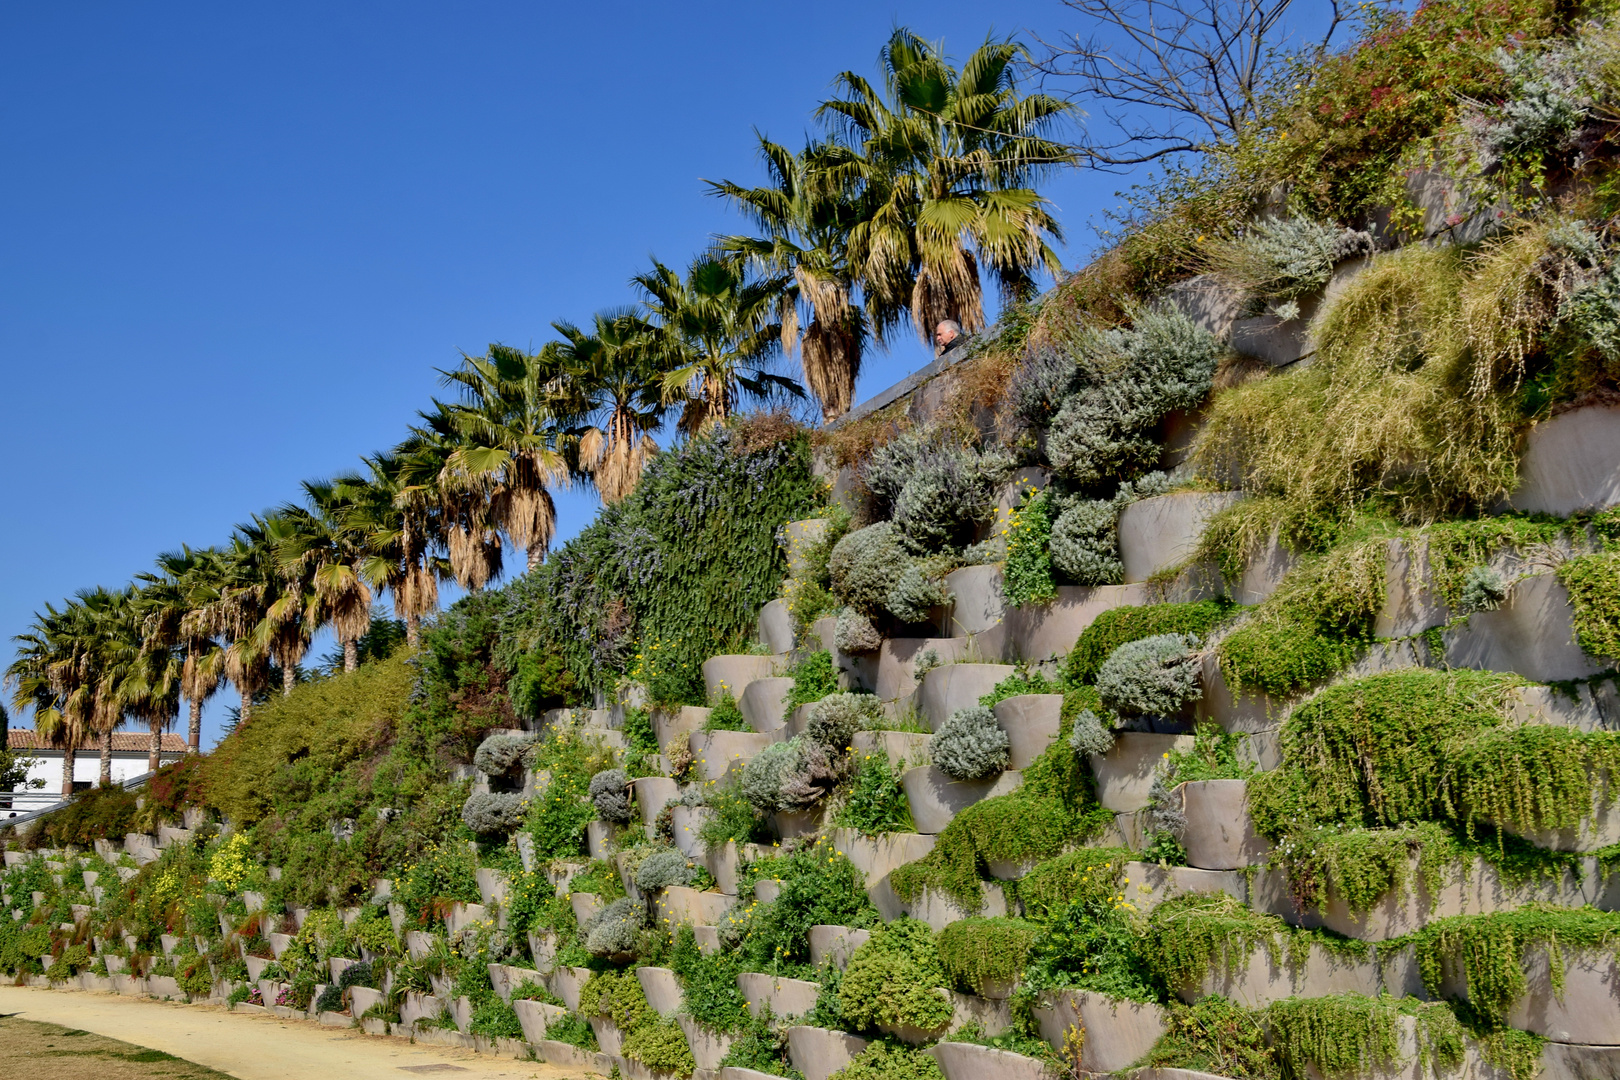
x: 47, y: 766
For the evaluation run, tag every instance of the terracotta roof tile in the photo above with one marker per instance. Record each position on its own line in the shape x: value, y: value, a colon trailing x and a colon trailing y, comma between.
x: 123, y: 742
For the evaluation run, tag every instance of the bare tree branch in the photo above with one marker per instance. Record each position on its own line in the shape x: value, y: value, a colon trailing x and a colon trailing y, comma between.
x: 1168, y: 77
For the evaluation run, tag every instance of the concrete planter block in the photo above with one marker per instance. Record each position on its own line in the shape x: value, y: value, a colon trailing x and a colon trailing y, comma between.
x: 732, y: 674
x: 731, y: 1072
x: 801, y: 535
x: 1031, y: 723
x: 534, y: 1016
x: 786, y: 997
x: 337, y: 965
x: 1276, y: 341
x: 1532, y: 633
x: 835, y: 945
x: 608, y: 1035
x: 1412, y: 601
x: 1244, y: 712
x: 1588, y: 1010
x: 255, y: 966
x: 1257, y: 979
x: 168, y: 943
x: 569, y: 1056
x: 1220, y: 834
x: 1043, y: 631
x: 1264, y: 572
x: 799, y: 822
x: 877, y: 856
x: 417, y: 943
x: 335, y: 1020
x: 1147, y: 885
x: 939, y: 910
x: 680, y: 904
x: 167, y: 835
x: 902, y: 748
x: 709, y: 1048
x: 360, y: 999
x: 708, y: 939
x: 764, y: 704
x: 492, y: 886
x: 663, y: 990
x: 714, y: 753
x: 991, y: 1014
x: 1125, y: 774
x: 651, y: 794
x: 559, y: 872
x: 164, y: 986
x: 819, y: 1052
x: 935, y: 798
x: 567, y: 982
x: 766, y: 890
x: 956, y: 686
x: 1161, y: 533
x: 253, y: 901
x: 672, y: 727
x: 543, y: 950
x: 278, y: 943
x: 1571, y: 462
x: 117, y: 965
x: 776, y: 627
x: 1565, y: 1061
x: 723, y: 863
x: 977, y: 603
x: 1594, y: 707
x: 1599, y: 829
x: 687, y: 822
x: 462, y: 916
x: 967, y: 1061
x: 599, y: 839
x: 1117, y: 1032
x: 585, y: 905
x: 396, y: 916
x: 1209, y: 302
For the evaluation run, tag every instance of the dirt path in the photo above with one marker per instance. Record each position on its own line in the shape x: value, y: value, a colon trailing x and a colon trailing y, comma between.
x: 258, y: 1047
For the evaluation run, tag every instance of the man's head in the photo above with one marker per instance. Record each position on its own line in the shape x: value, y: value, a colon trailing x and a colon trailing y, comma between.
x: 946, y: 332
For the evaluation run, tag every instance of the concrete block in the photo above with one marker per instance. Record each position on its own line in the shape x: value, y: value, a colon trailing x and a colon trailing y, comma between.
x: 709, y: 1048
x: 819, y: 1052
x: 599, y: 839
x: 1124, y: 775
x: 492, y: 886
x: 935, y: 798
x: 585, y: 905
x: 1161, y: 533
x: 1243, y: 711
x: 786, y: 997
x: 798, y: 823
x: 1040, y: 632
x: 567, y: 982
x: 279, y: 943
x: 462, y: 916
x: 1031, y: 722
x: 939, y: 910
x: 801, y: 535
x: 535, y: 1016
x: 680, y: 904
x: 608, y: 1035
x: 1532, y: 633
x: 360, y: 999
x: 990, y: 1014
x: 1412, y: 600
x: 764, y: 704
x: 722, y: 862
x: 337, y: 965
x: 835, y: 944
x: 1220, y: 834
x: 956, y: 686
x: 651, y: 794
x: 732, y: 673
x: 663, y: 990
x: 776, y: 627
x: 417, y: 944
x: 1147, y: 885
x: 164, y: 986
x: 688, y: 822
x: 977, y: 603
x: 731, y: 1072
x: 1257, y: 978
x: 1212, y: 304
x: 543, y: 950
x: 673, y: 727
x: 1279, y: 342
x: 715, y: 753
x: 969, y: 1061
x: 1117, y: 1033
x: 1567, y: 1061
x: 1599, y: 829
x: 902, y: 748
x: 1588, y: 1010
x: 1264, y: 572
x: 1571, y: 462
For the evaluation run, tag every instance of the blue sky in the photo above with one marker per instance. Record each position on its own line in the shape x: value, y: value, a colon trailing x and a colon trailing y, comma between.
x: 240, y: 238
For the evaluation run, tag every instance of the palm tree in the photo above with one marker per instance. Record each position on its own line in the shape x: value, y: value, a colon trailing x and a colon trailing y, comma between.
x: 394, y: 523
x: 318, y: 544
x: 806, y: 228
x: 182, y: 585
x: 461, y: 504
x: 42, y: 679
x: 619, y: 389
x: 230, y: 602
x: 715, y: 336
x: 942, y: 164
x: 140, y: 676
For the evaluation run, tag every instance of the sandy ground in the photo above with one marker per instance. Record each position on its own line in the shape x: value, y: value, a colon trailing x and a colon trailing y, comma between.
x: 30, y: 1050
x: 246, y: 1047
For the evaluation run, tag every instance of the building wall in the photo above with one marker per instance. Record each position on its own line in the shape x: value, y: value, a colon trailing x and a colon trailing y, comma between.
x: 47, y: 766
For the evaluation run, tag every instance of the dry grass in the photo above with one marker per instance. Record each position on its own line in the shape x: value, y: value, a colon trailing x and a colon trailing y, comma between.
x: 34, y: 1051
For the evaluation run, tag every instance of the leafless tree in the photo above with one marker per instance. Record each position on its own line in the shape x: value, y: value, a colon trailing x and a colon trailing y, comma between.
x: 1167, y: 77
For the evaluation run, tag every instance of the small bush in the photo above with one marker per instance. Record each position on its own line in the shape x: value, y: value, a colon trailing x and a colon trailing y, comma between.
x: 855, y: 633
x: 875, y: 802
x: 970, y: 745
x: 1115, y: 627
x: 1154, y: 676
x: 497, y: 754
x: 1090, y: 734
x: 1027, y: 577
x: 493, y: 812
x: 864, y: 567
x: 937, y: 490
x: 610, y: 791
x: 813, y: 679
x: 612, y: 931
x: 915, y: 595
x: 1483, y: 590
x: 662, y: 869
x: 976, y: 952
x: 836, y: 718
x: 1283, y: 259
x: 889, y: 1061
x: 331, y: 999
x: 896, y: 978
x: 1085, y: 543
x: 725, y: 715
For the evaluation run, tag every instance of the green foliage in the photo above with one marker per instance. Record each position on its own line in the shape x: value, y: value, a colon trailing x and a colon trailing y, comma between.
x: 559, y: 814
x: 100, y: 813
x: 1593, y: 582
x: 1189, y: 936
x: 1084, y: 542
x: 1018, y: 684
x: 1152, y: 676
x: 936, y: 489
x: 709, y: 988
x: 890, y: 1061
x: 1117, y: 626
x: 874, y: 802
x: 489, y: 812
x: 529, y: 895
x: 979, y: 952
x: 896, y: 979
x: 969, y: 745
x: 819, y: 886
x: 574, y: 1030
x: 1091, y: 873
x: 1095, y: 944
x: 542, y: 681
x: 660, y: 1045
x: 1027, y: 576
x: 759, y: 1046
x: 638, y: 731
x: 813, y: 679
x: 835, y: 719
x: 1215, y: 1036
x: 662, y: 869
x: 724, y: 715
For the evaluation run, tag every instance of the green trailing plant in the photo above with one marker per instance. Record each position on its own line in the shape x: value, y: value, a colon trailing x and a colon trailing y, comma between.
x: 1534, y: 778
x: 661, y: 1046
x: 969, y: 745
x: 890, y: 1061
x: 1215, y: 1036
x: 1189, y: 937
x: 638, y: 730
x: 709, y: 991
x: 814, y: 677
x: 1027, y: 576
x: 734, y: 817
x: 724, y: 715
x: 819, y: 886
x: 1152, y: 676
x: 985, y: 952
x: 1119, y: 626
x: 896, y: 979
x: 1094, y: 944
x: 874, y: 802
x: 1593, y: 582
x: 1091, y: 873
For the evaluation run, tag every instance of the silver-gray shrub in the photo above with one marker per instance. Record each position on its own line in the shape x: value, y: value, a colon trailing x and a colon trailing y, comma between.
x: 970, y: 745
x: 610, y: 791
x: 855, y: 633
x: 1133, y: 377
x: 1483, y: 590
x: 1085, y: 543
x: 937, y: 490
x: 835, y: 719
x: 497, y: 754
x: 1153, y: 676
x: 762, y: 776
x: 915, y: 594
x: 865, y: 565
x: 1283, y: 259
x: 662, y: 869
x: 612, y: 931
x: 492, y: 812
x: 1090, y: 735
x: 1550, y: 101
x: 1587, y: 285
x: 788, y: 776
x: 1040, y: 385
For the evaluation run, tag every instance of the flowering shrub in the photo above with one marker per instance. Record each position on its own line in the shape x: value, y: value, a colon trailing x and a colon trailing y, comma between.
x: 229, y: 864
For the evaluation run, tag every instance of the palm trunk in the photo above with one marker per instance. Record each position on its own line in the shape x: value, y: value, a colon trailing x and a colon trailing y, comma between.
x: 413, y: 631
x: 106, y: 758
x: 245, y: 713
x: 289, y: 676
x: 351, y: 655
x: 537, y: 555
x: 154, y: 750
x: 68, y: 757
x: 194, y: 733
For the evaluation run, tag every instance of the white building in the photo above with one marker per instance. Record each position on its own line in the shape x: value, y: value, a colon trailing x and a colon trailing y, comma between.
x: 129, y: 756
